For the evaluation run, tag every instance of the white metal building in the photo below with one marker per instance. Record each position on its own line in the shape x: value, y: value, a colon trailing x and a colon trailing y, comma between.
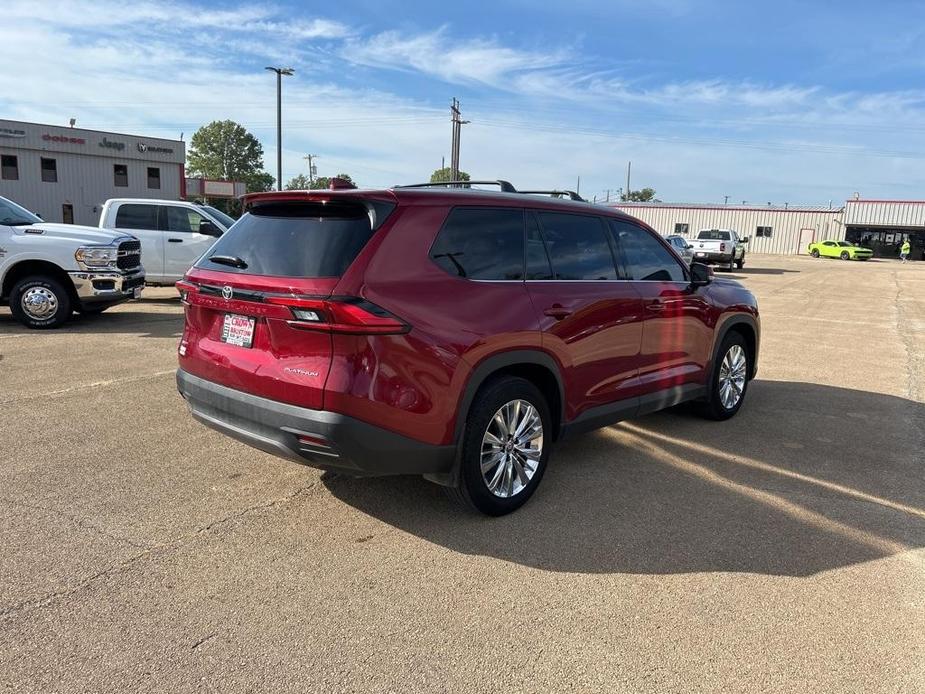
x: 65, y: 174
x: 785, y: 229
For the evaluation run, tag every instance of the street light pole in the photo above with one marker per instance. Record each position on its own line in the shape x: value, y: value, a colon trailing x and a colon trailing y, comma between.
x: 280, y: 71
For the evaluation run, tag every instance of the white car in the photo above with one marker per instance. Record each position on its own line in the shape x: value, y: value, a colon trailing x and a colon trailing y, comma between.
x: 173, y: 233
x: 48, y: 271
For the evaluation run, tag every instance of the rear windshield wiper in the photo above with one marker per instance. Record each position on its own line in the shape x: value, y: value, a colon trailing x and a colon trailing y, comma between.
x: 232, y: 260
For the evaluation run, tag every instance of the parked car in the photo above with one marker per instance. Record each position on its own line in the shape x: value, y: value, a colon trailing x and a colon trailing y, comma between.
x: 683, y: 247
x: 173, y: 233
x: 449, y: 332
x: 720, y: 247
x: 839, y: 249
x: 48, y: 271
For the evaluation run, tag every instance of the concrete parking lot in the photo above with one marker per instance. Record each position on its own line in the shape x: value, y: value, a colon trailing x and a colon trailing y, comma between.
x: 780, y: 551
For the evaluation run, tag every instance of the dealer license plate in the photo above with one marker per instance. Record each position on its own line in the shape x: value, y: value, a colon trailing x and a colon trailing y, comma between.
x: 238, y: 330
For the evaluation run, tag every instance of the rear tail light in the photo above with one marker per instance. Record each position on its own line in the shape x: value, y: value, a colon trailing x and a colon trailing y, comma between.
x: 185, y: 288
x: 340, y: 315
x: 722, y: 247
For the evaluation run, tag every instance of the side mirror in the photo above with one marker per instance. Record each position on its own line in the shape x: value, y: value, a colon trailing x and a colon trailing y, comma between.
x: 689, y: 246
x: 701, y: 275
x: 209, y: 229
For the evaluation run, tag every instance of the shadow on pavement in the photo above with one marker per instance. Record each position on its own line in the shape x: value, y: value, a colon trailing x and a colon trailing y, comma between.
x: 754, y: 271
x: 120, y: 320
x: 805, y: 479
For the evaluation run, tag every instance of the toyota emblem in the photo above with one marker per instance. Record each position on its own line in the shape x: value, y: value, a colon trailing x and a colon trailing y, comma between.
x: 227, y: 292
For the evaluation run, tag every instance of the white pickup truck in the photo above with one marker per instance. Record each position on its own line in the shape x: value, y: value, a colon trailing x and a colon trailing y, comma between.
x: 173, y: 233
x: 48, y: 271
x: 719, y: 247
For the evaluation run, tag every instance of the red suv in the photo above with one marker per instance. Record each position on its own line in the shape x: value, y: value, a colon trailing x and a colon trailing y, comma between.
x: 450, y: 332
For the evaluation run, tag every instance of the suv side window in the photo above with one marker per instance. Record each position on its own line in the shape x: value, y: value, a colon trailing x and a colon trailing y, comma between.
x: 644, y: 257
x: 136, y: 217
x: 180, y: 219
x: 481, y: 243
x: 577, y: 246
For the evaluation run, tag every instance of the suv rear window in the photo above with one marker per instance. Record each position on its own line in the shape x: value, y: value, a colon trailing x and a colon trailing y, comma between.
x: 294, y: 239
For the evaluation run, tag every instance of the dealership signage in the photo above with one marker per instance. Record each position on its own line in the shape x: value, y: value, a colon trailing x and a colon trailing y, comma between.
x: 143, y: 148
x: 109, y: 144
x: 12, y: 132
x: 64, y: 139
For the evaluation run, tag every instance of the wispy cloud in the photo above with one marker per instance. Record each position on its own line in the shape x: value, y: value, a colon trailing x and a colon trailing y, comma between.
x: 440, y: 55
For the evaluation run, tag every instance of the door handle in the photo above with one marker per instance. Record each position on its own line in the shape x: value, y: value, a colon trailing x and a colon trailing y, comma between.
x: 655, y: 306
x: 557, y: 312
x: 174, y: 240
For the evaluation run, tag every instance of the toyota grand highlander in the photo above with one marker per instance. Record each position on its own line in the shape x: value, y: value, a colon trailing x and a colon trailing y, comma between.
x: 48, y: 271
x: 450, y: 332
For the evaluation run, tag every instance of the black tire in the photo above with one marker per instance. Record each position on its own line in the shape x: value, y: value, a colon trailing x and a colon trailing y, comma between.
x: 814, y: 253
x: 472, y: 489
x: 740, y: 263
x: 47, y: 288
x: 845, y: 255
x: 713, y: 407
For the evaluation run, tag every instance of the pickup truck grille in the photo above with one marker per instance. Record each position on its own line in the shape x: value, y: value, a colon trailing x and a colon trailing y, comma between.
x: 129, y: 255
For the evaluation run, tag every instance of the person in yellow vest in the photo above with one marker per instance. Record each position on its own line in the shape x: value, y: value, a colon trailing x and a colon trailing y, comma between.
x: 904, y: 250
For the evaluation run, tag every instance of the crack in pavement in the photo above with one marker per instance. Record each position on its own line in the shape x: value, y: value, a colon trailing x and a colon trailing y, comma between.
x: 77, y: 520
x: 8, y: 613
x: 87, y: 386
x: 913, y: 359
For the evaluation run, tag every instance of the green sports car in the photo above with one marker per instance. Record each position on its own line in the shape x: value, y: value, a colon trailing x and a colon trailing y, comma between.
x: 839, y: 249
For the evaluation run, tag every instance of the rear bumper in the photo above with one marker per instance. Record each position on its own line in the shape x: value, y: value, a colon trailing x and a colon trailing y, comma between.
x: 319, y: 438
x: 704, y: 257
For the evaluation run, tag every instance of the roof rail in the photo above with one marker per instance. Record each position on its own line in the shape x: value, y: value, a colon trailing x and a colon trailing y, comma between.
x: 572, y: 195
x: 506, y: 186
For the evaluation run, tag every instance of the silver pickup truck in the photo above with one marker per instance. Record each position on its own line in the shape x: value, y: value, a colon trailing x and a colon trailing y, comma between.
x: 723, y: 247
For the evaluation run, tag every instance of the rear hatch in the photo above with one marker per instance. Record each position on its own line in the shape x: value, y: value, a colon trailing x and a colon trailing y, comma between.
x: 260, y: 315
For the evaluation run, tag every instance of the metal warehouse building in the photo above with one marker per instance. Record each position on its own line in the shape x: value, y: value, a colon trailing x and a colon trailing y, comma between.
x: 881, y: 225
x: 771, y: 229
x: 66, y: 174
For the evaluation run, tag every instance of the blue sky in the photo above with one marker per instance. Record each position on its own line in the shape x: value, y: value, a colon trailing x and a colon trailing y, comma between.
x: 765, y: 102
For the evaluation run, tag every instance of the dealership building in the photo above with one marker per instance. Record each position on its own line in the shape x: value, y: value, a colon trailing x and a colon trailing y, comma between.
x: 66, y: 174
x: 882, y: 225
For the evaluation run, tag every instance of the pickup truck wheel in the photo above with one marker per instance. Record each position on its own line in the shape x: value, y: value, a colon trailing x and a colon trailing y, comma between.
x: 740, y: 263
x: 40, y: 303
x: 505, y: 447
x: 730, y: 379
x: 815, y: 253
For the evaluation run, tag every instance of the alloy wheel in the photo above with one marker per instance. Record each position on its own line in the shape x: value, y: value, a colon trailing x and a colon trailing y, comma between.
x: 732, y: 374
x: 512, y: 448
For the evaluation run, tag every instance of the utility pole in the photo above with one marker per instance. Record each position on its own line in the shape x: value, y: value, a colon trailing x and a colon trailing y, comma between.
x: 280, y: 71
x: 629, y: 165
x: 608, y: 195
x: 578, y: 186
x: 457, y: 124
x: 725, y: 199
x: 312, y: 170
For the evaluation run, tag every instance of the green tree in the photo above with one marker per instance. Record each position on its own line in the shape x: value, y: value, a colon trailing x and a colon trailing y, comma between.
x: 322, y: 182
x: 445, y: 174
x: 299, y: 182
x: 224, y: 149
x: 644, y: 195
